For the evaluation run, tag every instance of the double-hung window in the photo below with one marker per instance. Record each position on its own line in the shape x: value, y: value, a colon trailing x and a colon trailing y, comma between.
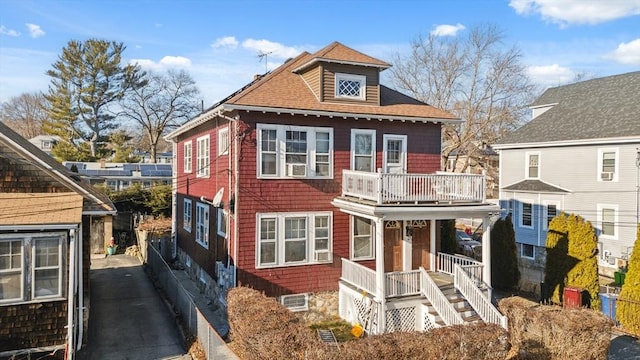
x: 361, y: 238
x: 202, y: 158
x: 223, y: 141
x: 526, y: 214
x: 294, y: 151
x: 222, y: 217
x: 363, y: 150
x: 551, y: 211
x: 351, y: 86
x: 186, y: 218
x: 286, y: 239
x: 187, y: 156
x: 31, y: 267
x: 202, y: 224
x: 608, y: 219
x: 607, y: 163
x: 533, y: 165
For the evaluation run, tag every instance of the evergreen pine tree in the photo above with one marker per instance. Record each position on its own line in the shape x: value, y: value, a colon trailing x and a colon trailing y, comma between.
x: 504, y: 261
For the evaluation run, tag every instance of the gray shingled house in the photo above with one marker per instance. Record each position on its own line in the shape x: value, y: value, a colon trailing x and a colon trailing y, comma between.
x: 578, y: 154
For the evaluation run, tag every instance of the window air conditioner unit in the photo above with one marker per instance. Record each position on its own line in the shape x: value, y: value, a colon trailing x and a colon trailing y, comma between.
x: 297, y: 170
x: 606, y: 176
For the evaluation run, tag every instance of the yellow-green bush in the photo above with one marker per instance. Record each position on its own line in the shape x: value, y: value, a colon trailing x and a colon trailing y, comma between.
x: 572, y: 258
x: 628, y: 304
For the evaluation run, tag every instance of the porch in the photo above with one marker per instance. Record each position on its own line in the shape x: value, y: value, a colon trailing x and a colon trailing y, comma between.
x: 417, y: 300
x: 387, y: 188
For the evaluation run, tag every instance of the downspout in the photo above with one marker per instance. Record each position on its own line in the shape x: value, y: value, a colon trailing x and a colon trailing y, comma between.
x: 80, y: 291
x: 70, y: 293
x: 174, y: 196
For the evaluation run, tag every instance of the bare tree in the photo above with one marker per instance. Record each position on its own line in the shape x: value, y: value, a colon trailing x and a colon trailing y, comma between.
x: 166, y: 101
x: 474, y: 77
x: 25, y: 114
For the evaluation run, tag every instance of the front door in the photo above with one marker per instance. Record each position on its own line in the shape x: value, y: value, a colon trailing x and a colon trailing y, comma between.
x: 395, y: 154
x: 392, y: 246
x: 420, y: 245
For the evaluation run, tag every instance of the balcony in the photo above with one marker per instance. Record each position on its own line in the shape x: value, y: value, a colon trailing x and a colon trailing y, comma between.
x: 385, y: 188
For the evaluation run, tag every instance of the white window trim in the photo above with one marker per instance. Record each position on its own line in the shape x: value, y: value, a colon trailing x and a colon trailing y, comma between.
x: 304, y: 307
x: 28, y: 249
x: 203, y: 171
x: 546, y: 204
x: 223, y: 141
x: 188, y: 157
x: 279, y: 241
x: 351, y: 77
x: 352, y: 242
x: 601, y: 152
x: 281, y: 165
x: 616, y: 229
x: 187, y: 216
x: 222, y: 219
x: 369, y: 132
x: 521, y: 203
x: 526, y: 166
x: 204, y: 242
x: 522, y: 255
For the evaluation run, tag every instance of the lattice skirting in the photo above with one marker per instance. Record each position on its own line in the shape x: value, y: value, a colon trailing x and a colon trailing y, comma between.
x: 403, y: 319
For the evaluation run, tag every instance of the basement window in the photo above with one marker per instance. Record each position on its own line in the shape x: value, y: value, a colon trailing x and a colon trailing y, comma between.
x: 297, y: 302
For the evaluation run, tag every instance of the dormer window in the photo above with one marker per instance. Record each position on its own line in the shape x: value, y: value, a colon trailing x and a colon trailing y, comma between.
x: 350, y: 86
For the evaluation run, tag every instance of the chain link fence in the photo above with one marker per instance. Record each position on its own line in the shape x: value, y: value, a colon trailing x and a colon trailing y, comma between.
x: 185, y: 306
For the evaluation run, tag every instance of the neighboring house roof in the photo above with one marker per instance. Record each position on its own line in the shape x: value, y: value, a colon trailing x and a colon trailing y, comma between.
x: 600, y: 108
x: 35, y: 159
x: 285, y: 90
x: 122, y: 170
x: 40, y: 208
x: 534, y: 186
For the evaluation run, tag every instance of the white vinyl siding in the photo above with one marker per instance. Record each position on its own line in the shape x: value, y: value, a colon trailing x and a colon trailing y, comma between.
x: 286, y: 239
x: 294, y: 152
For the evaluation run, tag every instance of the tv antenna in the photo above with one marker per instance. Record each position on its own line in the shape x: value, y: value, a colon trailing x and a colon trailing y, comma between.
x: 264, y: 55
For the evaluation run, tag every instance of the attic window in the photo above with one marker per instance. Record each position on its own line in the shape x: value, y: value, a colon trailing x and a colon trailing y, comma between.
x: 350, y: 86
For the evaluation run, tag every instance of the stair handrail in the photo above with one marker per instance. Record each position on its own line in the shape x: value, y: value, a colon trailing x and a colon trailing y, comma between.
x: 474, y: 296
x: 438, y: 300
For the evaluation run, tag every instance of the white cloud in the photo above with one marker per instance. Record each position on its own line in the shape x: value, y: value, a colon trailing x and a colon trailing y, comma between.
x: 225, y: 42
x: 565, y: 12
x: 447, y: 30
x: 9, y: 32
x: 550, y: 75
x: 274, y: 49
x: 626, y: 53
x: 167, y: 62
x: 35, y: 31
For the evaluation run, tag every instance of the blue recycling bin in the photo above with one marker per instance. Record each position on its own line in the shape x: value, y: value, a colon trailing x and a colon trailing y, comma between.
x: 608, y: 305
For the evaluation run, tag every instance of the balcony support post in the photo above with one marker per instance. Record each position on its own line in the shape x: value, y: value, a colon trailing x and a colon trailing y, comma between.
x: 380, y: 277
x: 486, y: 249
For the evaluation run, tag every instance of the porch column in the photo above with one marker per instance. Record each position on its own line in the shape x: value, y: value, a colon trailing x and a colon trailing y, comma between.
x: 380, y: 278
x: 486, y: 249
x: 432, y: 246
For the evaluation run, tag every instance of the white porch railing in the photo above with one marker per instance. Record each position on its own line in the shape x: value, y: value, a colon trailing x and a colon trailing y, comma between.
x: 402, y: 283
x: 384, y: 188
x: 476, y: 298
x: 359, y: 276
x: 438, y: 300
x: 447, y: 263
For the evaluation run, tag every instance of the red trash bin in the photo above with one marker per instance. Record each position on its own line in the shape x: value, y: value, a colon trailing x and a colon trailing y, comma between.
x: 572, y: 297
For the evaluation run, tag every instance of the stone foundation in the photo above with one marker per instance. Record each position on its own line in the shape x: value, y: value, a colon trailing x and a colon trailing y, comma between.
x: 323, y: 306
x: 205, y: 283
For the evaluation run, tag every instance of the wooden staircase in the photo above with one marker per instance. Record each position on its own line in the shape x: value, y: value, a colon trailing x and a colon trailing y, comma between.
x: 445, y: 284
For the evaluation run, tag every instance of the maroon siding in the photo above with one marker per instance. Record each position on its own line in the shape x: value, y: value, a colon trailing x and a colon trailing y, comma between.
x: 310, y: 195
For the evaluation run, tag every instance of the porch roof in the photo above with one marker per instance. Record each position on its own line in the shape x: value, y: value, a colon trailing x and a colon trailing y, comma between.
x: 441, y: 211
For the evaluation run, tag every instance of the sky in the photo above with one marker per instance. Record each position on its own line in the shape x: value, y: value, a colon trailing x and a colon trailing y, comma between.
x: 220, y: 43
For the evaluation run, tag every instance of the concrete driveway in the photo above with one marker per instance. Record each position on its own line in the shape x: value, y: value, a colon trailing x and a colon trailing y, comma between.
x: 128, y: 319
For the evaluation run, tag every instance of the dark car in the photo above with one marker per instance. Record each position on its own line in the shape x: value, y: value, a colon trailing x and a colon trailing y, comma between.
x: 467, y: 246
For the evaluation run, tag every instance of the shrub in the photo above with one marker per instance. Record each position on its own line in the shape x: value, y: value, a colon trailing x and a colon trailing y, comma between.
x: 504, y: 258
x: 572, y: 250
x: 628, y: 304
x: 448, y: 236
x: 551, y: 332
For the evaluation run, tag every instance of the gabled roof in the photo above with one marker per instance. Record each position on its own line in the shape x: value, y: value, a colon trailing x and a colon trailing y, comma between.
x: 534, y: 186
x: 602, y: 108
x: 284, y: 90
x: 30, y: 156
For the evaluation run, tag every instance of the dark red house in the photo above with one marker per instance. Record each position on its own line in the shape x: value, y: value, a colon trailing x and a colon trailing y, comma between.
x: 315, y: 177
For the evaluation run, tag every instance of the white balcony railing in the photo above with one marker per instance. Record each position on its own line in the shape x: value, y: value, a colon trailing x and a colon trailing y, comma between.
x: 359, y: 276
x: 415, y: 188
x: 402, y: 283
x: 447, y: 263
